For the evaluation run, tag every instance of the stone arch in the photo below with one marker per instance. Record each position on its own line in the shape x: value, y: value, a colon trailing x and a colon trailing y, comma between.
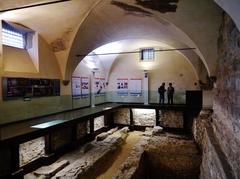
x: 102, y: 27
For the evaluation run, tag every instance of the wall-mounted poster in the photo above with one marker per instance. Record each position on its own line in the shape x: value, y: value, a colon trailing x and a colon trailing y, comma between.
x: 85, y: 86
x: 135, y: 86
x: 100, y: 86
x: 122, y: 86
x: 76, y: 86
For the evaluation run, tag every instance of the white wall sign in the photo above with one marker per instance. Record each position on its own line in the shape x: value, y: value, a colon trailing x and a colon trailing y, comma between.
x: 76, y: 86
x: 135, y: 86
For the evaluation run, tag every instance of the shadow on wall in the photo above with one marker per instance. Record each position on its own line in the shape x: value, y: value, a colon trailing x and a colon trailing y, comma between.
x: 162, y: 6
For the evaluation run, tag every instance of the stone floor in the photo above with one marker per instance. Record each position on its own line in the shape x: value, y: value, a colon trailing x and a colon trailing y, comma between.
x: 173, y: 156
x: 121, y: 156
x: 149, y: 156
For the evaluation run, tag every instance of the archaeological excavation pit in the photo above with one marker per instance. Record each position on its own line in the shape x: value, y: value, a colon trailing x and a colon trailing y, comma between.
x: 129, y: 154
x: 144, y: 152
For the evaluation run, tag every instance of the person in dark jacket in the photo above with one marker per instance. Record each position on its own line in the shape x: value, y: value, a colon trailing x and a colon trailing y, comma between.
x: 161, y: 91
x: 170, y: 92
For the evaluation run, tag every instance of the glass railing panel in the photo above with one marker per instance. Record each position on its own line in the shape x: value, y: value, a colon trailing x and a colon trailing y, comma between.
x: 79, y: 102
x: 99, y: 99
x: 178, y: 98
x: 17, y: 110
x: 113, y: 96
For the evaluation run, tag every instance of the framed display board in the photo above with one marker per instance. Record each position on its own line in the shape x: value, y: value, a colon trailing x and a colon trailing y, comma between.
x: 122, y: 86
x: 15, y: 88
x: 85, y: 86
x: 135, y: 86
x: 76, y: 86
x: 100, y: 86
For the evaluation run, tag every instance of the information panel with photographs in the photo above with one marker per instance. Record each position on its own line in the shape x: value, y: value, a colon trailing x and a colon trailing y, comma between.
x: 100, y: 86
x: 85, y: 86
x: 76, y: 86
x: 122, y: 86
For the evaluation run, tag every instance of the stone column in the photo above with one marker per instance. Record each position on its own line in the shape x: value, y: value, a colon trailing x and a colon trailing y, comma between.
x: 145, y: 86
x: 92, y: 89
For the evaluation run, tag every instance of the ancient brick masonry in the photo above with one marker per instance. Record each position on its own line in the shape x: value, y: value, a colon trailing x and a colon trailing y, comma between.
x: 226, y: 123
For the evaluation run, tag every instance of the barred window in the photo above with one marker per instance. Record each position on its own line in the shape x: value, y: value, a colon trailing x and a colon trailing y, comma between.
x: 13, y: 38
x: 147, y: 54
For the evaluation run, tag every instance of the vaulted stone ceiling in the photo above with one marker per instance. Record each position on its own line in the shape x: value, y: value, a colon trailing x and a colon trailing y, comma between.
x: 11, y: 4
x: 80, y: 26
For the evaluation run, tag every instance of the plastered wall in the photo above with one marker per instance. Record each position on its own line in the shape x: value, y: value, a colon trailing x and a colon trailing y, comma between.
x: 18, y: 63
x: 167, y: 67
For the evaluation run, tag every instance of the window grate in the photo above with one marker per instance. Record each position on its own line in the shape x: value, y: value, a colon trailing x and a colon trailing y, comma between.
x: 147, y: 54
x: 12, y: 38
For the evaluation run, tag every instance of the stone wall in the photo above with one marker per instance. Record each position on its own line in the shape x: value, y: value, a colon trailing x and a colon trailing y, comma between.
x: 214, y: 163
x: 82, y: 130
x: 144, y: 117
x: 199, y: 124
x: 31, y: 150
x: 226, y: 116
x: 98, y: 123
x: 122, y: 116
x: 226, y: 107
x: 60, y: 138
x: 161, y: 155
x: 171, y: 119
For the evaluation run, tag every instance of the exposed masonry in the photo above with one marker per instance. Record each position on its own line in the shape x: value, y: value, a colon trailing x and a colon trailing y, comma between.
x: 87, y: 158
x: 171, y: 119
x: 31, y: 150
x: 98, y: 123
x: 122, y: 116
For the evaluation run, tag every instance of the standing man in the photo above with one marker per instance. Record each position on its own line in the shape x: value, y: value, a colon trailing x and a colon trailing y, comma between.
x: 161, y: 91
x: 170, y: 92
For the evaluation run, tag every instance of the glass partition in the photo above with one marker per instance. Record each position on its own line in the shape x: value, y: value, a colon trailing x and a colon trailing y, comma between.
x: 16, y: 110
x: 100, y: 99
x: 178, y: 98
x: 79, y: 102
x: 113, y: 96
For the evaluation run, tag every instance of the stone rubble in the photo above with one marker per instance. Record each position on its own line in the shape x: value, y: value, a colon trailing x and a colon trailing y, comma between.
x: 199, y: 125
x: 49, y: 171
x: 101, y: 136
x: 171, y: 119
x: 131, y: 164
x: 32, y: 150
x: 146, y: 117
x: 104, y: 135
x: 156, y: 130
x: 178, y: 153
x: 98, y: 152
x: 122, y: 116
x: 98, y: 123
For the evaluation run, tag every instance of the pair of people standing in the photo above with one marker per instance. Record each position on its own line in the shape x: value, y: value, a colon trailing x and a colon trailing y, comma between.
x: 170, y: 92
